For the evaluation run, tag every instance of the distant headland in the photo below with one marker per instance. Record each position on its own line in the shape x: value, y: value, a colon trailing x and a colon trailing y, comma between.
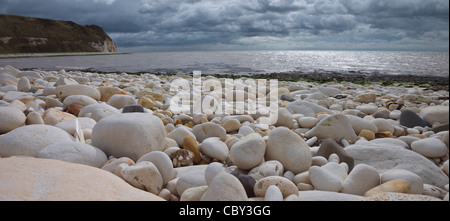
x: 19, y: 34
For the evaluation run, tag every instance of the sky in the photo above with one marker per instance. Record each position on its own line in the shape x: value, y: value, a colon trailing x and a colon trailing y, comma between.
x: 198, y: 25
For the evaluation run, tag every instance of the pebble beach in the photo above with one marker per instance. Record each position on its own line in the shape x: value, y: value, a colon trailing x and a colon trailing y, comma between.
x: 86, y: 136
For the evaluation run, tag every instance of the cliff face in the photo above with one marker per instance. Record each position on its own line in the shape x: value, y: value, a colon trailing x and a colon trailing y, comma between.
x: 20, y: 34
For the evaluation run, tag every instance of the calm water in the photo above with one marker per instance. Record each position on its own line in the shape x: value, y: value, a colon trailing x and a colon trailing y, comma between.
x: 250, y: 62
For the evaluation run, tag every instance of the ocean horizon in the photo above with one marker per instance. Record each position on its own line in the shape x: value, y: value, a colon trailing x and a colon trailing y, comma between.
x: 418, y: 63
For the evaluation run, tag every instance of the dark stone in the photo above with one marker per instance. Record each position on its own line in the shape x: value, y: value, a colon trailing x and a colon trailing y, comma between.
x: 440, y: 128
x: 410, y: 119
x: 248, y: 182
x: 329, y: 147
x: 133, y: 108
x: 341, y: 96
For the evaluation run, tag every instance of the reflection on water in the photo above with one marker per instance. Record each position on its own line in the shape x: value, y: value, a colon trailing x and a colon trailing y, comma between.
x: 250, y: 62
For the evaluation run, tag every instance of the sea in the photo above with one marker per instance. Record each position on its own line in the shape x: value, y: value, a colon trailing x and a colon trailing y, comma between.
x: 248, y: 62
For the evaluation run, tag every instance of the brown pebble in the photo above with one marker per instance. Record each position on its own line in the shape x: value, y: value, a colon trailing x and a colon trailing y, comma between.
x: 74, y: 109
x: 190, y: 144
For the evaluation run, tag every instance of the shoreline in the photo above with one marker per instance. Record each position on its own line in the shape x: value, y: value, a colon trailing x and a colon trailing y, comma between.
x: 359, y: 78
x: 408, y: 80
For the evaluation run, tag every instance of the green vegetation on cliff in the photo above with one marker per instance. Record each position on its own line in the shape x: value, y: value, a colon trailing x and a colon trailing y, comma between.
x: 19, y: 34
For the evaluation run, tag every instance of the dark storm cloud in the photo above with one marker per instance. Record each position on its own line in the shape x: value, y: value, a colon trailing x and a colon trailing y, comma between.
x: 259, y: 24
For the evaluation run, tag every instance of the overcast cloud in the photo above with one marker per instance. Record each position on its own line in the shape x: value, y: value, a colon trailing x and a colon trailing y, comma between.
x: 166, y: 25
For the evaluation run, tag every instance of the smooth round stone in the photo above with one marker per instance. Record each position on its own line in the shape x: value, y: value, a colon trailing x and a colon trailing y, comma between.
x: 52, y: 102
x: 319, y: 161
x: 316, y: 195
x: 366, y: 98
x: 55, y: 180
x: 289, y: 149
x: 74, y: 152
x: 78, y: 89
x: 336, y: 107
x: 119, y: 101
x: 329, y: 91
x: 273, y: 193
x: 107, y: 92
x: 34, y: 118
x: 367, y: 108
x: 336, y: 127
x: 435, y: 114
x: 245, y: 130
x: 193, y: 194
x: 268, y: 168
x: 284, y: 118
x: 10, y: 119
x: 212, y: 170
x: 89, y: 110
x: 146, y: 102
x: 391, y: 141
x: 232, y: 125
x: 215, y: 148
x: 306, y: 108
x: 29, y: 140
x: 384, y: 125
x: 132, y: 109
x: 163, y: 163
x: 82, y: 100
x: 410, y: 119
x: 415, y: 181
x: 129, y: 135
x: 396, y: 186
x: 395, y: 114
x: 190, y: 179
x: 190, y: 144
x: 389, y: 196
x: 329, y: 177
x: 385, y: 157
x: 329, y: 147
x: 360, y: 124
x: 24, y: 85
x: 430, y: 147
x: 112, y: 164
x: 179, y: 134
x: 74, y: 109
x: 302, y: 178
x: 206, y: 130
x: 307, y: 122
x: 381, y: 114
x: 70, y: 125
x: 54, y: 116
x: 225, y: 187
x: 367, y: 134
x: 13, y: 95
x: 361, y: 179
x: 143, y: 175
x: 248, y: 152
x: 286, y: 186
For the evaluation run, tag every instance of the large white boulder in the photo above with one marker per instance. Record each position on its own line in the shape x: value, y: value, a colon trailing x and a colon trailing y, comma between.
x: 289, y: 149
x: 129, y: 135
x: 29, y: 140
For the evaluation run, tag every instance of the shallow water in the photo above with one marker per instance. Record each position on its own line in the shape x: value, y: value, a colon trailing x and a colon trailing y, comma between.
x: 250, y: 62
